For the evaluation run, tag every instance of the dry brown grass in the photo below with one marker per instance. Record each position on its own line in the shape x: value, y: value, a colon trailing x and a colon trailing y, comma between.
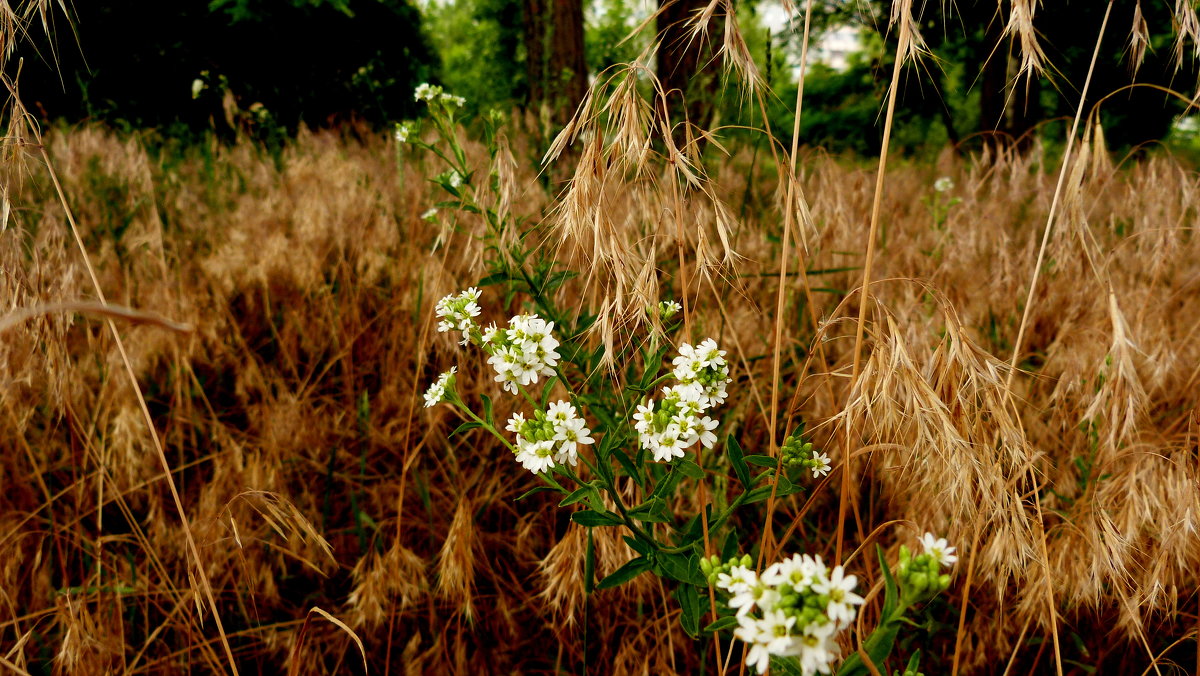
x: 287, y: 416
x: 275, y: 313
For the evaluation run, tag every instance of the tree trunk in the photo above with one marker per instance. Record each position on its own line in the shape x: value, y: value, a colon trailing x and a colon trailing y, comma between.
x: 993, y: 82
x: 535, y: 52
x: 690, y: 86
x: 554, y: 57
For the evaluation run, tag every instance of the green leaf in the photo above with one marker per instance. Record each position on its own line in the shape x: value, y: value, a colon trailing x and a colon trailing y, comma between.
x: 531, y: 491
x: 731, y: 546
x: 465, y: 427
x: 627, y: 464
x: 689, y: 602
x: 592, y: 519
x: 734, y: 450
x: 914, y: 663
x: 758, y: 495
x: 891, y: 598
x: 653, y: 510
x: 578, y: 495
x: 494, y: 278
x: 639, y: 546
x: 625, y: 573
x: 786, y: 487
x: 589, y: 564
x: 604, y: 467
x: 487, y: 409
x: 558, y: 279
x: 787, y: 666
x: 681, y: 567
x: 546, y: 390
x: 762, y: 460
x: 666, y: 485
x: 690, y: 469
x: 727, y: 622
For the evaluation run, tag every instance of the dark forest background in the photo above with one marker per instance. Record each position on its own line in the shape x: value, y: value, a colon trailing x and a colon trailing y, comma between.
x: 268, y: 66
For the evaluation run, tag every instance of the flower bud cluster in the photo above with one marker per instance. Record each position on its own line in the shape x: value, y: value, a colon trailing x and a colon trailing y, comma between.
x: 458, y: 313
x: 550, y: 437
x: 797, y: 453
x: 523, y: 352
x: 921, y: 577
x: 795, y: 609
x: 437, y: 391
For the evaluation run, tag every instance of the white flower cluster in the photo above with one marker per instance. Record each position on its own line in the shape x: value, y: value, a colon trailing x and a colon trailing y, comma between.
x: 676, y: 421
x: 437, y: 391
x: 454, y: 178
x: 430, y: 214
x: 550, y: 437
x: 431, y: 93
x: 402, y: 132
x: 523, y: 352
x: 796, y: 609
x: 704, y: 364
x: 458, y: 313
x: 943, y: 184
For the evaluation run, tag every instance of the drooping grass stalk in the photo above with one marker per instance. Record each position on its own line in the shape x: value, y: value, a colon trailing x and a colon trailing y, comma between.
x: 903, y: 45
x: 206, y: 585
x: 1017, y: 345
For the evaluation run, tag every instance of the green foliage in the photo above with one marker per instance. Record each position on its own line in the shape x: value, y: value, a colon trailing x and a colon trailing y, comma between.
x: 605, y: 30
x: 481, y: 47
x: 282, y: 63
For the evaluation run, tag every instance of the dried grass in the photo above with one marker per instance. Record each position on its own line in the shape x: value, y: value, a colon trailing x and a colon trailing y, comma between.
x: 1052, y: 437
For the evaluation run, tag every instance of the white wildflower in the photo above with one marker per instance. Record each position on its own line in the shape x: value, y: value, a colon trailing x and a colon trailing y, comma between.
x: 536, y: 456
x: 943, y: 184
x: 668, y: 309
x: 769, y: 635
x: 822, y: 464
x: 839, y: 587
x: 817, y: 648
x: 452, y: 100
x: 940, y: 549
x: 739, y: 579
x: 569, y: 434
x: 427, y: 92
x: 458, y: 312
x: 437, y: 391
x: 760, y: 595
x: 402, y: 132
x: 799, y: 572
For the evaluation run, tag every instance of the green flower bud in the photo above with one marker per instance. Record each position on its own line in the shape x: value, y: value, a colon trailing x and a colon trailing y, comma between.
x: 918, y: 582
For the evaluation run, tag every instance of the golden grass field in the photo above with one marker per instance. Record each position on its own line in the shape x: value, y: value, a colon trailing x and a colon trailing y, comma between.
x: 216, y: 458
x: 310, y: 479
